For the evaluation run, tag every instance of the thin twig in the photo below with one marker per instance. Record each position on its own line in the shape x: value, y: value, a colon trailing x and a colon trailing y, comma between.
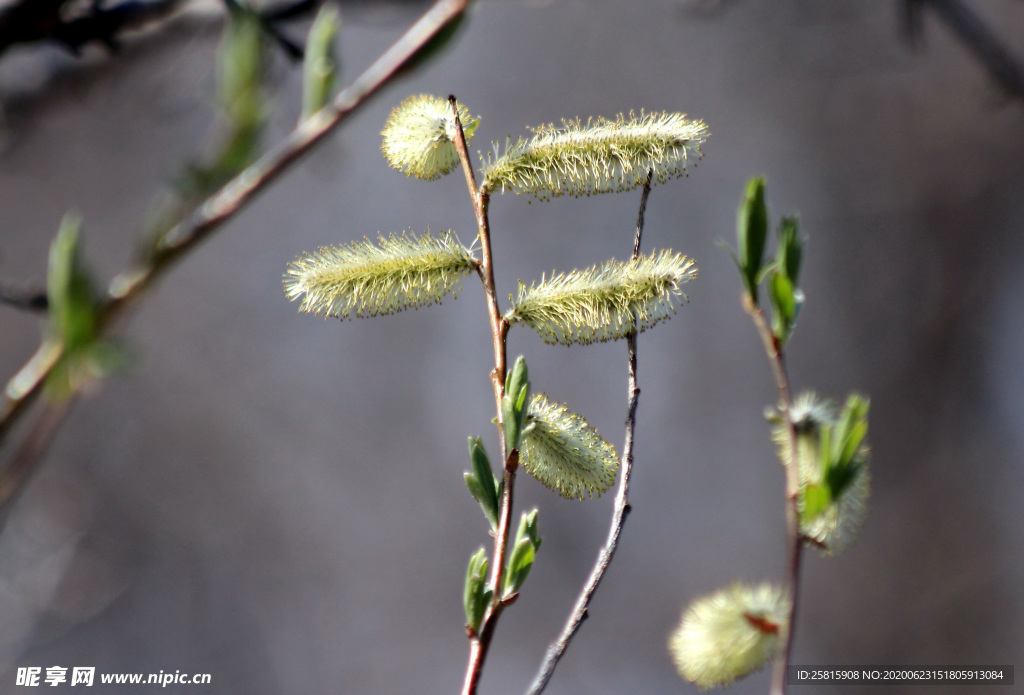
x: 222, y: 206
x: 1001, y: 64
x: 794, y: 537
x: 480, y: 642
x: 621, y: 510
x: 27, y: 300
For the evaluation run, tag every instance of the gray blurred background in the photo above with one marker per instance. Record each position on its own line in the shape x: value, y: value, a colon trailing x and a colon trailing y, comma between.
x: 277, y: 500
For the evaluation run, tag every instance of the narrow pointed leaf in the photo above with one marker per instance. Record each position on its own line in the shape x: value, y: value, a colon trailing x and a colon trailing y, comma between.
x: 752, y: 231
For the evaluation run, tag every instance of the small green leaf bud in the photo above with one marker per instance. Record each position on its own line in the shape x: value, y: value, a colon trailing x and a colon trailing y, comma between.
x: 514, y: 403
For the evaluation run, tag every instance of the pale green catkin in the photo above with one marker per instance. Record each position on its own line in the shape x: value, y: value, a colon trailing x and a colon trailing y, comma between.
x: 602, y: 156
x: 604, y: 302
x: 364, y: 279
x: 419, y: 136
x: 566, y: 454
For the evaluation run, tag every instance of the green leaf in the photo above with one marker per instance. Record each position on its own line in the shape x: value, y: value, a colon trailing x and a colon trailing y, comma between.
x: 74, y: 317
x: 481, y: 481
x: 839, y: 478
x: 321, y: 65
x: 518, y: 567
x: 851, y: 429
x: 791, y: 249
x: 475, y: 597
x: 70, y: 295
x: 816, y: 500
x: 528, y: 528
x: 784, y: 306
x: 752, y: 233
x: 241, y: 68
x: 514, y: 403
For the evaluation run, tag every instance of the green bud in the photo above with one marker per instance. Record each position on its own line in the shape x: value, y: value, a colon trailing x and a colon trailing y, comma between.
x: 785, y: 305
x: 528, y: 528
x: 514, y: 403
x: 476, y: 597
x: 69, y: 289
x: 524, y: 550
x: 519, y: 566
x: 74, y: 317
x: 485, y: 490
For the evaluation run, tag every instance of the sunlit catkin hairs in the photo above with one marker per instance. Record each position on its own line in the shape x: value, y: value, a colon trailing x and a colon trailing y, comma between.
x: 847, y: 482
x: 604, y: 302
x: 729, y: 634
x: 599, y: 156
x: 419, y: 136
x: 367, y: 279
x: 561, y: 450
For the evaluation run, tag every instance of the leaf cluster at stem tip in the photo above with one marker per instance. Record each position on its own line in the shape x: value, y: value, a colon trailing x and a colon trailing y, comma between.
x: 782, y: 274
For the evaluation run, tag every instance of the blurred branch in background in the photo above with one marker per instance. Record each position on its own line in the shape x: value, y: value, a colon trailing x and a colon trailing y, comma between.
x: 986, y: 46
x: 192, y: 218
x: 73, y: 24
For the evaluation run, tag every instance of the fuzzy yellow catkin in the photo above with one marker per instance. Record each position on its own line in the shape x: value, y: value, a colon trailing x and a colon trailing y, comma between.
x: 604, y: 302
x: 599, y: 156
x: 835, y: 528
x: 729, y: 634
x: 419, y: 136
x: 365, y: 279
x: 564, y: 452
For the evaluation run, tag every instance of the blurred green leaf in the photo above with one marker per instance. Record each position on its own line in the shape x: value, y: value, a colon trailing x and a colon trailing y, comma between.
x: 781, y: 293
x: 242, y: 61
x: 70, y: 290
x: 816, y: 500
x: 321, y: 65
x: 790, y: 253
x: 74, y: 317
